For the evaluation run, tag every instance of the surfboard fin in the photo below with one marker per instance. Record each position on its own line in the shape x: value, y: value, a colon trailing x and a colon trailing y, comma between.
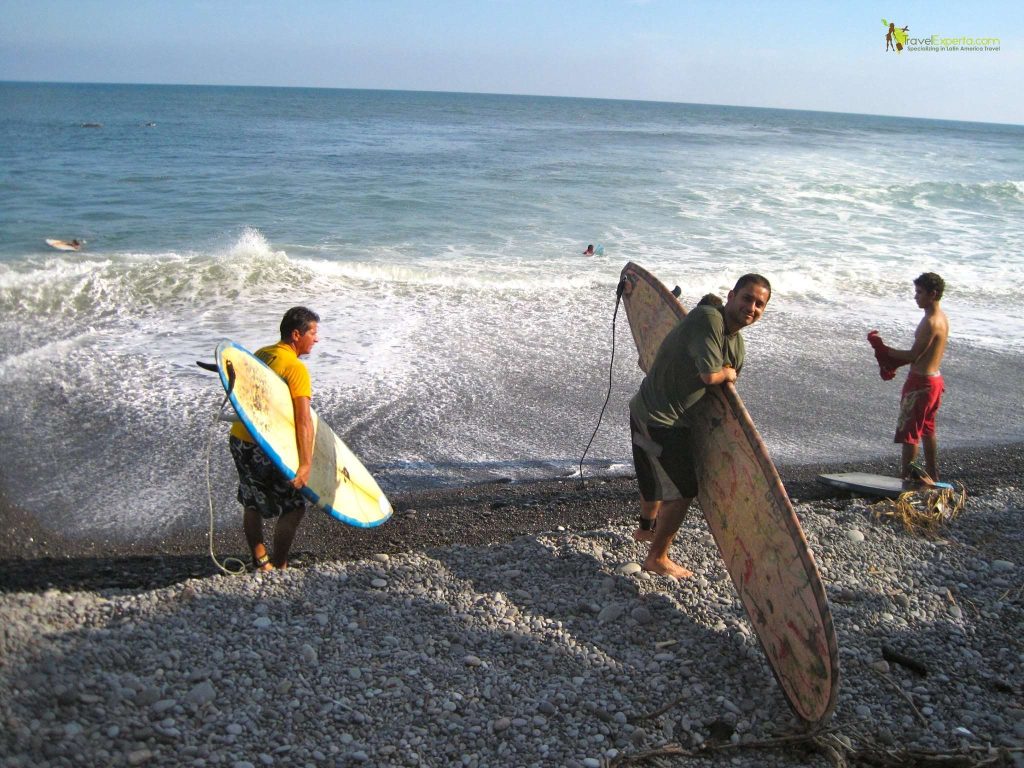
x: 213, y: 367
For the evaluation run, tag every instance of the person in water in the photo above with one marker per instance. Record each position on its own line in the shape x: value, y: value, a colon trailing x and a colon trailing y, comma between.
x: 922, y: 391
x: 704, y: 349
x: 589, y: 251
x: 263, y: 491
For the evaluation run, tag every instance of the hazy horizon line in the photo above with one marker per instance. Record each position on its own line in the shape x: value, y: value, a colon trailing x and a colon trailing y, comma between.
x: 519, y: 95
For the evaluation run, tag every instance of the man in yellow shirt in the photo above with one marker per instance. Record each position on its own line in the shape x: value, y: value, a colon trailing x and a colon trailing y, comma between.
x: 263, y: 491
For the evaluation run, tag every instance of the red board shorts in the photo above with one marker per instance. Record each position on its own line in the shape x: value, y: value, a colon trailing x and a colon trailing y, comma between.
x: 919, y: 403
x: 663, y: 459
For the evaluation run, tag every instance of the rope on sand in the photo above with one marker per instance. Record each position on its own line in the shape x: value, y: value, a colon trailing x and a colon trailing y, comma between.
x: 232, y: 566
x: 611, y: 370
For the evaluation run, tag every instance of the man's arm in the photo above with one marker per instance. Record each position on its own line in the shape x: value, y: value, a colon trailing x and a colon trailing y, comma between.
x: 303, y: 440
x: 706, y: 350
x: 922, y: 340
x: 727, y: 374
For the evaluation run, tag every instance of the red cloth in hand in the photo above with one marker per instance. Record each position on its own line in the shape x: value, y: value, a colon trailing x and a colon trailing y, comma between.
x: 887, y: 364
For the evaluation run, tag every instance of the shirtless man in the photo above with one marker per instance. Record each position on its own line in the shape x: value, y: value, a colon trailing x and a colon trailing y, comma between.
x: 703, y: 350
x: 922, y: 393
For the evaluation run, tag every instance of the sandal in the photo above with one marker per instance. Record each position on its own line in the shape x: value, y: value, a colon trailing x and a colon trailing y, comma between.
x: 917, y: 477
x: 262, y: 563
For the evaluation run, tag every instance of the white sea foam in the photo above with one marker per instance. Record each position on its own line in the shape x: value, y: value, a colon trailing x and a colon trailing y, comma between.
x: 463, y: 335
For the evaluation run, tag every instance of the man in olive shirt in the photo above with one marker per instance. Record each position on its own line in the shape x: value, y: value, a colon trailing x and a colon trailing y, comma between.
x: 263, y: 491
x: 703, y: 350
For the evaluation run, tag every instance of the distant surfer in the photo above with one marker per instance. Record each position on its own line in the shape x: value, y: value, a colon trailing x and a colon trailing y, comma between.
x: 922, y: 392
x: 263, y: 491
x: 703, y: 350
x: 589, y: 251
x: 65, y: 245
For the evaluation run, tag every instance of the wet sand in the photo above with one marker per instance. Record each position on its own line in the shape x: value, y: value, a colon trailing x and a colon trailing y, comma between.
x: 36, y: 559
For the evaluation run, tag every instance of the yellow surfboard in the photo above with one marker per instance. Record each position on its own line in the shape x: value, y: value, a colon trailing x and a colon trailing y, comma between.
x: 338, y: 483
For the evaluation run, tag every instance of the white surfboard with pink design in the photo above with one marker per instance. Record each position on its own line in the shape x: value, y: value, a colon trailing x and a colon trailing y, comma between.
x: 753, y: 522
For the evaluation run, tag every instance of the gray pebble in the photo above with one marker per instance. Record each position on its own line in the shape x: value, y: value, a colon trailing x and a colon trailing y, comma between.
x: 641, y: 615
x: 202, y: 693
x: 610, y: 613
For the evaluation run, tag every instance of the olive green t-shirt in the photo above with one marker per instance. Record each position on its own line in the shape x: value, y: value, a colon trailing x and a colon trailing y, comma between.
x: 698, y: 344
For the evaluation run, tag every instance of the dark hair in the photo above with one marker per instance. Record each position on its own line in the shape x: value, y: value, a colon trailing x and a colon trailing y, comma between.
x: 710, y: 299
x: 932, y: 283
x: 756, y: 280
x: 297, y: 319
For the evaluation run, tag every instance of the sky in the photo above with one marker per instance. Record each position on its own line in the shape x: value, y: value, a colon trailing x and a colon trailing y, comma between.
x: 816, y: 55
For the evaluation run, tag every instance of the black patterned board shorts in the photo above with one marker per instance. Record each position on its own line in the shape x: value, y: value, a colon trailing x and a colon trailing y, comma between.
x: 663, y: 459
x: 261, y: 484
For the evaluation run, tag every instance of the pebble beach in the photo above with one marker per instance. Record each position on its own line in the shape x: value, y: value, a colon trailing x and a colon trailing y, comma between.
x: 546, y: 646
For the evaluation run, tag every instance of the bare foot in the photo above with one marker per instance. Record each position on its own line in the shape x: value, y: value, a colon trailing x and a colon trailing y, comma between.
x: 641, y: 535
x: 666, y: 567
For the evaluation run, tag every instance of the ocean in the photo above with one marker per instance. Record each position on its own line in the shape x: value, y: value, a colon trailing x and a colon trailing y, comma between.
x: 464, y: 338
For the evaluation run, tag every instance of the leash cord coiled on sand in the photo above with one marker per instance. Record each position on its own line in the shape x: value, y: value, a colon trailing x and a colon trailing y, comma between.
x: 227, y: 566
x: 611, y: 368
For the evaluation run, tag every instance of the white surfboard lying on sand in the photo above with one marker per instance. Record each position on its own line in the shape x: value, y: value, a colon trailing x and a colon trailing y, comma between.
x: 875, y: 485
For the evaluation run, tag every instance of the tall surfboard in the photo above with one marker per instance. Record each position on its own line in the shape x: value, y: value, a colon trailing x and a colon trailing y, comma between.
x: 752, y: 520
x: 338, y: 483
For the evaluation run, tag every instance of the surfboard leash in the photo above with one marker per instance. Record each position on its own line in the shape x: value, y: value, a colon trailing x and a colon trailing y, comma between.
x: 611, y: 368
x: 227, y: 566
